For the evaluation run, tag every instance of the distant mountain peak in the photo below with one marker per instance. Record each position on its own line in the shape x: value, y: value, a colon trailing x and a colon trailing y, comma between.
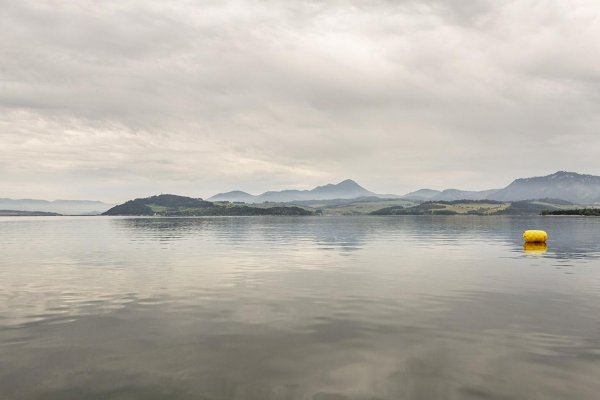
x: 422, y: 194
x: 234, y: 195
x: 234, y: 192
x: 345, y: 189
x: 566, y: 173
x: 347, y: 183
x: 557, y: 174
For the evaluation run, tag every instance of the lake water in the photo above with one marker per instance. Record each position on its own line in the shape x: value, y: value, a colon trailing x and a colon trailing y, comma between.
x: 298, y: 308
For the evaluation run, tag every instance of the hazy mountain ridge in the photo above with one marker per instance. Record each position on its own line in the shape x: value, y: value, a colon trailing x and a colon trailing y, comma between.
x: 456, y: 194
x: 422, y: 194
x: 347, y: 189
x: 563, y: 186
x: 67, y: 207
x: 570, y: 186
x: 234, y: 196
x: 13, y: 213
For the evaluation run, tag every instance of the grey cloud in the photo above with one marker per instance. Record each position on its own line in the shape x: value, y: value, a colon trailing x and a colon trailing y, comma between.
x: 129, y: 98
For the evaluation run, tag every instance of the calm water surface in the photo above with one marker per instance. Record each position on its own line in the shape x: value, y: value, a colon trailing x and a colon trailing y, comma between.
x: 298, y: 308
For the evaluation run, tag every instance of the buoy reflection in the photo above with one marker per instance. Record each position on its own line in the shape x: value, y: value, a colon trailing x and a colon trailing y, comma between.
x: 535, y: 248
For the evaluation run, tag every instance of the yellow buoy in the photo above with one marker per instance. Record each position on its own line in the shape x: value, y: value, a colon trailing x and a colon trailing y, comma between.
x: 535, y: 247
x: 534, y: 236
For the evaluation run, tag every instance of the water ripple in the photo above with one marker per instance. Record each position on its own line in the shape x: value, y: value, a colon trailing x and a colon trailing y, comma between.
x: 298, y: 308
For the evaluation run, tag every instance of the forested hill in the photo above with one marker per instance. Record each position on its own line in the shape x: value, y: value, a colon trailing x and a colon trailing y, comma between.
x: 173, y: 205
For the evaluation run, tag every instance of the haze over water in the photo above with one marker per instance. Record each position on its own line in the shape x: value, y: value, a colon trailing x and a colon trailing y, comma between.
x: 298, y: 308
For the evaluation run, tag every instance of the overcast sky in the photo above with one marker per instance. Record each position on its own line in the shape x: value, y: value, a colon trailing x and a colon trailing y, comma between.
x: 118, y: 99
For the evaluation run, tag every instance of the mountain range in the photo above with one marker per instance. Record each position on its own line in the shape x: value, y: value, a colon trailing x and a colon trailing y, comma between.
x: 570, y: 186
x: 347, y: 189
x: 566, y: 186
x: 560, y: 186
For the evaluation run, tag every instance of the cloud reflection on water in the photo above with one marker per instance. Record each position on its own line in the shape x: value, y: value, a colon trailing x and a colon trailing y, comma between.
x: 298, y: 308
